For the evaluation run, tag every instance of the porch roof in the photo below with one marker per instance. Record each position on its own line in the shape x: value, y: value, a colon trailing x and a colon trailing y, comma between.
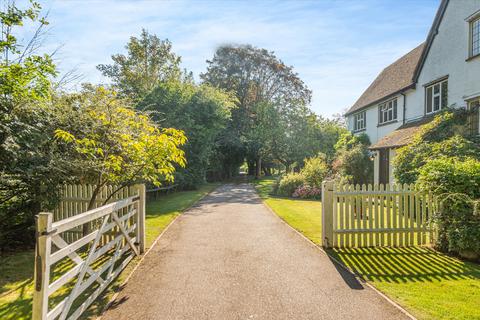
x: 401, y: 136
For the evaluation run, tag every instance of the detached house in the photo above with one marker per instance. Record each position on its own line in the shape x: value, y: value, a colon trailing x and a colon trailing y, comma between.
x: 442, y: 72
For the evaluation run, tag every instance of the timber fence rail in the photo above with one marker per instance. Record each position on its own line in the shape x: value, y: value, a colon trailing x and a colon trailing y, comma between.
x: 71, y: 274
x: 75, y: 198
x: 155, y: 193
x: 376, y: 215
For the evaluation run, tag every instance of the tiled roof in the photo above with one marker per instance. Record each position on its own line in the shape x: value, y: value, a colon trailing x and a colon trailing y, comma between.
x: 401, y: 136
x: 393, y: 79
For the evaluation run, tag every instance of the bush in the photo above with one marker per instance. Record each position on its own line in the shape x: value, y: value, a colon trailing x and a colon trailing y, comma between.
x: 315, y: 171
x: 410, y: 159
x: 354, y: 165
x: 457, y: 183
x: 289, y: 183
x: 307, y: 192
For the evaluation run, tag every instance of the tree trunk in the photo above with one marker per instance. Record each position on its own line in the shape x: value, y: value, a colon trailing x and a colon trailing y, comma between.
x: 258, y: 168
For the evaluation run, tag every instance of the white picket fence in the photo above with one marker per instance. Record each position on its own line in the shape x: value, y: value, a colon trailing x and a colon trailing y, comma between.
x: 71, y: 273
x: 376, y: 215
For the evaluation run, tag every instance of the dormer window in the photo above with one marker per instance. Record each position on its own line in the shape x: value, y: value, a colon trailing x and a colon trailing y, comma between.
x: 359, y: 121
x: 387, y: 111
x: 475, y: 37
x: 436, y: 96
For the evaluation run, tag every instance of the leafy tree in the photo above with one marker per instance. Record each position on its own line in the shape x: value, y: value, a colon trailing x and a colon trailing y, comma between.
x: 148, y: 62
x: 201, y: 112
x: 118, y: 145
x: 258, y: 78
x: 30, y: 166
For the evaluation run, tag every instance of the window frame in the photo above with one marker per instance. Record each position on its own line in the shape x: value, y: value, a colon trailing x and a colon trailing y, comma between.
x: 391, y: 107
x: 471, y: 25
x: 359, y: 117
x: 432, y: 95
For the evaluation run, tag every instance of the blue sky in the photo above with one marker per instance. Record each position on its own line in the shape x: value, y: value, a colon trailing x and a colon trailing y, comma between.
x: 337, y: 47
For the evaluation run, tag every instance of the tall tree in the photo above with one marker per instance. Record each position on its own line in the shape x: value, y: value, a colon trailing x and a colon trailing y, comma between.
x: 201, y: 112
x: 256, y: 76
x: 149, y: 61
x: 30, y: 167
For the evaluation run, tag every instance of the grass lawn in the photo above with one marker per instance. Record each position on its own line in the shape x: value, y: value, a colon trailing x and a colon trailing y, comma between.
x: 428, y: 284
x: 16, y: 270
x: 303, y: 215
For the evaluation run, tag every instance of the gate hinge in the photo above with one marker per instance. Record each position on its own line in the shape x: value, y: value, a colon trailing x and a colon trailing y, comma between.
x: 47, y: 233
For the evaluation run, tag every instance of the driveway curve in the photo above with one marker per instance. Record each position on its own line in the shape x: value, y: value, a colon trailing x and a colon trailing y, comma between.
x: 229, y: 257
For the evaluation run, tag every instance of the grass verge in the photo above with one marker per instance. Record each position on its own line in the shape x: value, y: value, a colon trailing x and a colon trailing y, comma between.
x: 303, y: 215
x: 430, y: 285
x: 16, y: 270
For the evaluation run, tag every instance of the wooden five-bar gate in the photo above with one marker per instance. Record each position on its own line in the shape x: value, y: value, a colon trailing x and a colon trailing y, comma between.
x: 376, y: 215
x: 72, y: 269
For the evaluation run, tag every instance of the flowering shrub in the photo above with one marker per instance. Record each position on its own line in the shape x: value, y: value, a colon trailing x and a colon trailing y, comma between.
x: 289, y: 183
x: 307, y: 192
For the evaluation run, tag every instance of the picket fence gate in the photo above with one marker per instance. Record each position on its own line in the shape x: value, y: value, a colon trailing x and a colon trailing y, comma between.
x: 376, y: 215
x: 83, y: 266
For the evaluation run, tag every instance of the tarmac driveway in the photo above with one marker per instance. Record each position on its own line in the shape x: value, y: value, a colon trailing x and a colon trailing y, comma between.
x: 229, y: 257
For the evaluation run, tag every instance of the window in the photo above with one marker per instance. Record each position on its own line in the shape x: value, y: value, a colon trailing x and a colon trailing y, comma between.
x: 436, y: 96
x: 475, y: 37
x: 474, y: 118
x: 359, y: 121
x: 387, y: 111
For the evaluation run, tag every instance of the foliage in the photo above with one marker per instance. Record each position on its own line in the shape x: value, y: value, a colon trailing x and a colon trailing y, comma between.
x: 289, y: 183
x: 30, y: 162
x: 307, y: 192
x: 352, y: 163
x: 456, y: 182
x: 267, y: 91
x: 308, y: 182
x: 445, y: 135
x: 444, y: 158
x: 201, y: 112
x: 118, y: 145
x: 148, y: 62
x: 315, y: 171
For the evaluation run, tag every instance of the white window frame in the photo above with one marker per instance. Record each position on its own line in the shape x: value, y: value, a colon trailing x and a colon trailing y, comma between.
x: 442, y: 99
x: 474, y: 38
x: 387, y: 111
x: 359, y: 121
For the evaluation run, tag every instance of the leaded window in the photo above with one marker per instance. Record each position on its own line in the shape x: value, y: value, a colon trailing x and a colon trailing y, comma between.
x: 475, y: 37
x: 436, y: 96
x: 359, y: 121
x: 387, y: 111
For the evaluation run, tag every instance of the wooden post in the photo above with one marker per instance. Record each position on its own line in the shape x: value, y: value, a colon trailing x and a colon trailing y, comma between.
x: 42, y: 266
x: 327, y: 213
x: 141, y: 217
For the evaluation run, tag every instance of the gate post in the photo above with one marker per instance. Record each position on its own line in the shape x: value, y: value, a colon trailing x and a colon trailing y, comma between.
x: 141, y: 217
x: 42, y: 265
x: 327, y: 213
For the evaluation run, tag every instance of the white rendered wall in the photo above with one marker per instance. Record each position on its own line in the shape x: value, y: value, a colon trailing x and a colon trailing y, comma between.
x: 447, y: 56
